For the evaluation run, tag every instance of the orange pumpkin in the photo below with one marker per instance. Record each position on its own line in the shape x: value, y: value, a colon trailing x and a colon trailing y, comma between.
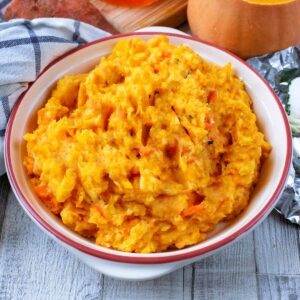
x: 246, y: 27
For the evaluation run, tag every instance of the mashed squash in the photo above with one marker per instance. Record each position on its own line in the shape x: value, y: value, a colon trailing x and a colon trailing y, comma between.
x: 148, y: 151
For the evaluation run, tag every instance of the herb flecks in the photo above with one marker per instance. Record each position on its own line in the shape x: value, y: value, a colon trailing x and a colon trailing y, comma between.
x: 187, y: 74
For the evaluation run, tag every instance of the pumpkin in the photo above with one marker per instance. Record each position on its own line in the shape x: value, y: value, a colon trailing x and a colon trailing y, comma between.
x: 246, y: 27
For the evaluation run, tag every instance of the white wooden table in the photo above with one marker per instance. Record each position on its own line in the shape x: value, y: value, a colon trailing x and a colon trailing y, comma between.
x: 263, y: 265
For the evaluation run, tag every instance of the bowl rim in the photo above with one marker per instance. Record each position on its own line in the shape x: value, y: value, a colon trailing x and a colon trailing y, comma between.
x: 173, y: 257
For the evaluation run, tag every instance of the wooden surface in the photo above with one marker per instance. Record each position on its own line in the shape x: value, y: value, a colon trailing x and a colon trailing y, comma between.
x: 164, y: 13
x: 263, y: 265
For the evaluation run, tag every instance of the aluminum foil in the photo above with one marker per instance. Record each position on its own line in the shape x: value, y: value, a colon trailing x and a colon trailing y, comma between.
x: 279, y: 69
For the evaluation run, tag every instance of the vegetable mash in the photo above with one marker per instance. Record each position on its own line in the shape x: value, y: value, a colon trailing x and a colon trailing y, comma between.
x: 148, y: 151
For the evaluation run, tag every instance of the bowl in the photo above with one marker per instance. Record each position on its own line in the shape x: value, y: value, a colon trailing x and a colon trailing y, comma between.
x: 272, y: 121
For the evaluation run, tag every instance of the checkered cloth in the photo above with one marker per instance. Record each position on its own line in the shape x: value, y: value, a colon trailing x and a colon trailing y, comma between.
x: 26, y: 47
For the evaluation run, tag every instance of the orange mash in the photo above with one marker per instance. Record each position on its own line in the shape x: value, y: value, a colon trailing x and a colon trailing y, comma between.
x: 149, y: 150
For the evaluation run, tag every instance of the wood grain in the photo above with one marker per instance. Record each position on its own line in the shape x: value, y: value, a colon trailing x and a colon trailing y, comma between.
x: 4, y: 191
x: 277, y: 287
x: 176, y: 285
x: 229, y: 274
x: 164, y: 13
x: 32, y: 266
x: 277, y: 247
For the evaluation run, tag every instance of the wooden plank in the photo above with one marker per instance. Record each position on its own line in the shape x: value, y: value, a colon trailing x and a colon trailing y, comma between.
x: 4, y: 191
x: 164, y: 13
x: 176, y: 285
x: 277, y: 287
x: 230, y: 274
x: 188, y: 281
x: 33, y: 266
x: 277, y: 246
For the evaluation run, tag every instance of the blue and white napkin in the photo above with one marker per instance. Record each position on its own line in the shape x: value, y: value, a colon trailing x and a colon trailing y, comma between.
x: 26, y: 48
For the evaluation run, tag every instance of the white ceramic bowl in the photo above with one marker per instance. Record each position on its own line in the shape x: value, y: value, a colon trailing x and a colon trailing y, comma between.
x: 272, y: 121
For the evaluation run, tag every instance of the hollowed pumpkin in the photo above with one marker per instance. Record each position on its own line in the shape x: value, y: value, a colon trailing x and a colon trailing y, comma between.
x: 246, y: 27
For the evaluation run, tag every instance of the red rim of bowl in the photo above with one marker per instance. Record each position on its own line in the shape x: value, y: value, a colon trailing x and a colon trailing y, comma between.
x: 144, y: 259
